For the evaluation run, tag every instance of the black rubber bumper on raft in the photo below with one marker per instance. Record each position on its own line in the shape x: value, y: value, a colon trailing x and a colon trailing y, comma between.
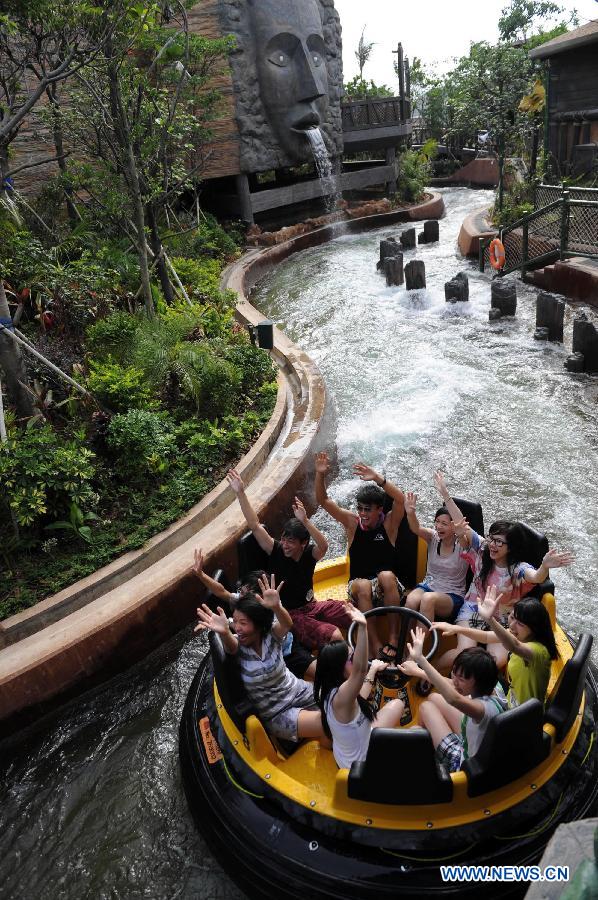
x: 269, y: 852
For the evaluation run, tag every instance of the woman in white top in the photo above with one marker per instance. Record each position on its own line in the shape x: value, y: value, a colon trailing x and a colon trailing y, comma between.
x: 442, y: 591
x: 341, y: 693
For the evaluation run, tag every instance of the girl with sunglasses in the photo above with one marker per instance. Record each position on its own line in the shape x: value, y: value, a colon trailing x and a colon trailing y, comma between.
x: 495, y: 562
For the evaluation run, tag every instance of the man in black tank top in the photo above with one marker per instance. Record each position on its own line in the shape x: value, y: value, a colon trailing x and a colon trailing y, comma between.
x: 292, y: 560
x: 371, y: 539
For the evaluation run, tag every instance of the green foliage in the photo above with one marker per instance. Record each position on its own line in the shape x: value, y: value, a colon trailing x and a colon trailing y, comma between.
x: 216, y: 442
x: 41, y: 475
x: 113, y: 336
x: 414, y: 173
x: 521, y: 19
x: 142, y: 441
x: 118, y: 387
x: 77, y: 523
x: 209, y: 238
x: 254, y: 365
x: 361, y: 89
x: 201, y: 277
x: 517, y: 202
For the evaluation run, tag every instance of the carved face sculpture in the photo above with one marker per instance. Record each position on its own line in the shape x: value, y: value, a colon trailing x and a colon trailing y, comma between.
x: 291, y: 66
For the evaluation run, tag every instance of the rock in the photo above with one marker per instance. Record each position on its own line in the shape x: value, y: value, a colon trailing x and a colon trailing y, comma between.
x: 431, y: 231
x: 393, y: 269
x: 494, y: 314
x: 550, y: 314
x: 421, y: 238
x: 415, y: 274
x: 504, y: 296
x: 585, y: 341
x: 457, y: 289
x: 575, y: 362
x: 542, y: 334
x: 408, y: 239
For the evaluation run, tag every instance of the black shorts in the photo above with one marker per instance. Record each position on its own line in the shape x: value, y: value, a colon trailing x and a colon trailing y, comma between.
x: 299, y: 659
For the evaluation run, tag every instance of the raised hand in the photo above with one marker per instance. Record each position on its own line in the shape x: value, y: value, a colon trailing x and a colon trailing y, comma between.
x: 489, y: 605
x: 461, y: 526
x: 366, y: 473
x: 356, y: 614
x: 322, y: 463
x: 416, y: 648
x: 198, y: 561
x: 235, y: 481
x: 299, y: 511
x: 555, y: 559
x: 270, y: 594
x: 440, y: 484
x: 410, y: 502
x: 211, y: 621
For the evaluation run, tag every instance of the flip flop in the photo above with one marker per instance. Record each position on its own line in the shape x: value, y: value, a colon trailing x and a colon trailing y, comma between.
x: 388, y: 653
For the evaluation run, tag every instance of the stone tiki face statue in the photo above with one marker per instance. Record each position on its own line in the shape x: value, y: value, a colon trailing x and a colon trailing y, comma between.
x: 291, y: 66
x: 287, y: 76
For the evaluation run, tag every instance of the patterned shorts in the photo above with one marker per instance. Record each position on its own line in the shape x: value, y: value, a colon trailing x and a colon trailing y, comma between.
x: 470, y: 617
x: 449, y: 752
x: 284, y: 724
x: 377, y: 590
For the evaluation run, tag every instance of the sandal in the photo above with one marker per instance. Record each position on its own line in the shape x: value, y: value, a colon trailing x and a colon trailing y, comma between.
x: 388, y: 653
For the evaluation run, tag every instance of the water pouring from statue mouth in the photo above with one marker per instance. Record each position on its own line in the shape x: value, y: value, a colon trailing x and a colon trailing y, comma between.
x: 330, y: 188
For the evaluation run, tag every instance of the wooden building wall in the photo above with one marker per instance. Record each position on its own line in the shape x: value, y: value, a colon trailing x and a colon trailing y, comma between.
x: 221, y: 155
x: 573, y: 101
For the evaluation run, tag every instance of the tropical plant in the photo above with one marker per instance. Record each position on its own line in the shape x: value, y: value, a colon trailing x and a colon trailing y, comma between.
x: 77, y: 523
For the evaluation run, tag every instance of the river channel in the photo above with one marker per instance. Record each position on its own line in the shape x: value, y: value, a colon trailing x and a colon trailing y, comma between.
x: 92, y: 803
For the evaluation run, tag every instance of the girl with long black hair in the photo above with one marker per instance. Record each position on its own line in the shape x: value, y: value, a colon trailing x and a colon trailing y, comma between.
x: 341, y: 693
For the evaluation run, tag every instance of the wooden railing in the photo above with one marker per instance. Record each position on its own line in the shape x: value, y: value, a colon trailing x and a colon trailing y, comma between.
x: 375, y: 112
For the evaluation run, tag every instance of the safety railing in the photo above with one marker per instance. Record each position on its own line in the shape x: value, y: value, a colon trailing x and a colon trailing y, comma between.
x: 562, y: 229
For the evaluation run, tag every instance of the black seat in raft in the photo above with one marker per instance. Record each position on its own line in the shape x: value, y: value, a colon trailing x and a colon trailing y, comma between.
x: 232, y: 691
x: 534, y: 547
x: 567, y: 696
x: 514, y: 744
x: 401, y: 768
x: 250, y: 555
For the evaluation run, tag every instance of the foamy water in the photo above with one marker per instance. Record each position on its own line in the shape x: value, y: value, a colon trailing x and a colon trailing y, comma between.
x: 420, y: 384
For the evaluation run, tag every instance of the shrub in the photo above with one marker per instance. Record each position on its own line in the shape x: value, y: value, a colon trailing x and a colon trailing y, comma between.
x: 42, y: 475
x: 211, y: 383
x: 414, y: 172
x: 119, y: 387
x: 143, y: 442
x: 113, y: 335
x: 201, y: 277
x: 254, y: 364
x: 214, y: 443
x: 210, y: 238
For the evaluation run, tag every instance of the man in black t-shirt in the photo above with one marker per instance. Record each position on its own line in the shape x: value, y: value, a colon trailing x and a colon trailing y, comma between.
x: 371, y: 541
x: 292, y: 560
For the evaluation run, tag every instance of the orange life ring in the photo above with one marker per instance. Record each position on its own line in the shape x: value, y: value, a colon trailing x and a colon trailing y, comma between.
x: 497, y: 254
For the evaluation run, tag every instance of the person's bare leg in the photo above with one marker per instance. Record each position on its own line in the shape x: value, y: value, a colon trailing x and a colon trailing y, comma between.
x: 435, y: 604
x: 499, y: 653
x: 309, y: 725
x: 310, y: 672
x: 361, y: 592
x: 438, y: 722
x: 414, y: 598
x: 388, y: 584
x: 390, y: 714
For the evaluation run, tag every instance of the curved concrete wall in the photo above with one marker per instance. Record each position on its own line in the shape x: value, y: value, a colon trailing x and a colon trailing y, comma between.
x: 104, y: 623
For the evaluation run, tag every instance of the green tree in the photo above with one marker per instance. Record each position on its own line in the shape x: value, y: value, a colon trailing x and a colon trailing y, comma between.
x: 522, y: 20
x: 141, y: 112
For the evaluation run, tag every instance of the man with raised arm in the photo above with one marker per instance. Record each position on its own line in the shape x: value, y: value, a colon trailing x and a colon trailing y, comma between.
x: 293, y: 560
x: 371, y: 539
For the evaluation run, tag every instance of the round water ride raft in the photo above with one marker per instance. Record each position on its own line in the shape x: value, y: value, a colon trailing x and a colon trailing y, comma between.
x: 284, y: 821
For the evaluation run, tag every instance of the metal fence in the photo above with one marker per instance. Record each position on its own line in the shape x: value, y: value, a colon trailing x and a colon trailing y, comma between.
x: 564, y: 227
x: 547, y: 193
